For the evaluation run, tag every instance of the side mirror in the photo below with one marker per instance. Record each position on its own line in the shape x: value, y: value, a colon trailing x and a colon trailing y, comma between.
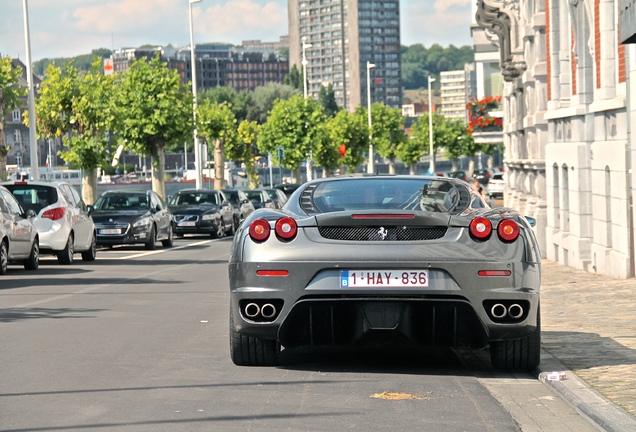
x: 532, y: 221
x: 157, y: 208
x: 30, y: 213
x: 90, y: 209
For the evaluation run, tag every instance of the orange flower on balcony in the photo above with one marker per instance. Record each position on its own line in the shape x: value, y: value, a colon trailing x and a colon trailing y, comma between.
x: 480, y: 118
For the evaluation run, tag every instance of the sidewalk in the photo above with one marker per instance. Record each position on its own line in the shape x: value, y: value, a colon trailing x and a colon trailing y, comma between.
x: 589, y: 327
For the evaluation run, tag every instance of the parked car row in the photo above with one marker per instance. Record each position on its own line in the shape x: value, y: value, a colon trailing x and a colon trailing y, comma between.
x: 41, y: 217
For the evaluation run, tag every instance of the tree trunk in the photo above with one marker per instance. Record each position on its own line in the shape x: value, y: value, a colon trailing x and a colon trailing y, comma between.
x: 413, y: 168
x: 89, y: 185
x: 158, y: 181
x: 455, y: 165
x: 297, y: 176
x: 219, y: 165
x: 391, y: 166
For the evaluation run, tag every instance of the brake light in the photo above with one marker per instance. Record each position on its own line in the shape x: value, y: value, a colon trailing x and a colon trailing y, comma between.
x: 272, y: 272
x: 259, y: 230
x: 508, y: 230
x: 480, y: 228
x: 286, y: 228
x: 54, y: 214
x: 494, y: 272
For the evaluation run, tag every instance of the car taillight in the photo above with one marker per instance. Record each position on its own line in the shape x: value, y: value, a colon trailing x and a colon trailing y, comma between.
x: 508, y: 230
x: 480, y: 228
x: 286, y: 228
x: 54, y: 214
x: 259, y: 230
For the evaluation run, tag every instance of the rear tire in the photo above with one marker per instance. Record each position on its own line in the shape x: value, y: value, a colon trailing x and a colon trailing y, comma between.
x: 152, y: 239
x: 91, y: 253
x: 250, y: 350
x: 518, y: 354
x: 4, y: 258
x: 33, y: 261
x: 65, y: 256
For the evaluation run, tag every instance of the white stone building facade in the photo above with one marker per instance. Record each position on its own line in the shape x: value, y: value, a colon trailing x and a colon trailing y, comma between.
x: 569, y: 105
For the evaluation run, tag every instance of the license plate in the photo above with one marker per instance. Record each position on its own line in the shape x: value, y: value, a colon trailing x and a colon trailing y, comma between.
x: 384, y: 278
x: 186, y: 223
x: 110, y: 231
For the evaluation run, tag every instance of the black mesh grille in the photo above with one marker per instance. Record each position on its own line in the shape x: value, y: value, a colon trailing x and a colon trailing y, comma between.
x: 367, y: 233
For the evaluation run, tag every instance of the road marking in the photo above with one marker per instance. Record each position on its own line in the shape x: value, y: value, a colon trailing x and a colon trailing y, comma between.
x: 114, y: 283
x: 143, y: 254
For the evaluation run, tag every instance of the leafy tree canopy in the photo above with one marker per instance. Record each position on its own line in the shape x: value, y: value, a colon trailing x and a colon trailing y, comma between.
x: 418, y: 62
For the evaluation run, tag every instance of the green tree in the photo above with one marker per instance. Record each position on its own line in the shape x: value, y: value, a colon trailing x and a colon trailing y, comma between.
x: 295, y: 124
x: 10, y: 95
x: 240, y: 102
x: 327, y: 99
x: 264, y: 97
x: 217, y: 124
x: 351, y: 131
x: 247, y: 139
x: 294, y: 78
x: 156, y: 112
x: 387, y: 125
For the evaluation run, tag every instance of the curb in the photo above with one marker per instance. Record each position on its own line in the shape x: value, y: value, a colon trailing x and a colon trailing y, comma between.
x: 588, y: 402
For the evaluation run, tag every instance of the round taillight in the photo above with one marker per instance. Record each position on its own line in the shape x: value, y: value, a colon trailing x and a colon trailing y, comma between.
x: 286, y: 228
x: 508, y: 230
x: 259, y: 230
x: 480, y: 228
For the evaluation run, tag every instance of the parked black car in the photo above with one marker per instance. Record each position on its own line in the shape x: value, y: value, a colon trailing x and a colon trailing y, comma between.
x: 240, y: 203
x: 459, y: 175
x: 483, y: 175
x: 278, y: 196
x: 260, y: 198
x: 202, y: 212
x: 127, y: 217
x: 287, y: 188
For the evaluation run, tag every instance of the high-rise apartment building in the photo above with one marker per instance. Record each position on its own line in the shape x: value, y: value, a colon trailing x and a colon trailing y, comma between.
x: 340, y: 37
x: 457, y: 88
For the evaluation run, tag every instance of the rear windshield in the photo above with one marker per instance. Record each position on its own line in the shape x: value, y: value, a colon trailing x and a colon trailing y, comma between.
x: 34, y: 197
x: 381, y: 194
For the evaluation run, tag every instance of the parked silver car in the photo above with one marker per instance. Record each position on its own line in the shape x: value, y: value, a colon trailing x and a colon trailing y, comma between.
x: 62, y: 220
x: 18, y: 237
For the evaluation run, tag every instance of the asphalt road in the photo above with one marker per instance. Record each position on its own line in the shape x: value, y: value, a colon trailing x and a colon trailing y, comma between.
x: 138, y: 341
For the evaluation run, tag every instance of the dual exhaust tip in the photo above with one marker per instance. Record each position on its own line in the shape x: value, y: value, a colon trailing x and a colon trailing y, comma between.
x: 256, y: 312
x: 500, y: 311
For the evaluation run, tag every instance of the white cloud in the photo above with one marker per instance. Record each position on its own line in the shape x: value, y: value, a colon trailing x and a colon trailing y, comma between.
x: 72, y: 27
x: 444, y: 22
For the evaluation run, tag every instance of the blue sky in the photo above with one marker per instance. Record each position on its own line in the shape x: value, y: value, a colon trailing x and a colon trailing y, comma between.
x: 65, y: 28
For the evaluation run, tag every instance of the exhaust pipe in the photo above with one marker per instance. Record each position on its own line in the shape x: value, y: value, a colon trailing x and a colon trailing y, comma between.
x: 515, y: 311
x: 268, y: 310
x: 252, y: 310
x: 498, y: 311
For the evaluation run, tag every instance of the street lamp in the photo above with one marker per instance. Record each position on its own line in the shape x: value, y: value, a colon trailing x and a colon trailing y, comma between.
x: 33, y: 144
x: 431, y: 168
x: 304, y: 62
x: 197, y: 150
x: 371, y: 164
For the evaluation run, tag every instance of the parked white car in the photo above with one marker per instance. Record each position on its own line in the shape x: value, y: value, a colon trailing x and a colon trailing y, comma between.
x: 62, y: 220
x: 496, y: 185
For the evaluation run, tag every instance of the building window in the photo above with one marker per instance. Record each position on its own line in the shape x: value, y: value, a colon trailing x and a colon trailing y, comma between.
x: 17, y: 137
x: 16, y: 115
